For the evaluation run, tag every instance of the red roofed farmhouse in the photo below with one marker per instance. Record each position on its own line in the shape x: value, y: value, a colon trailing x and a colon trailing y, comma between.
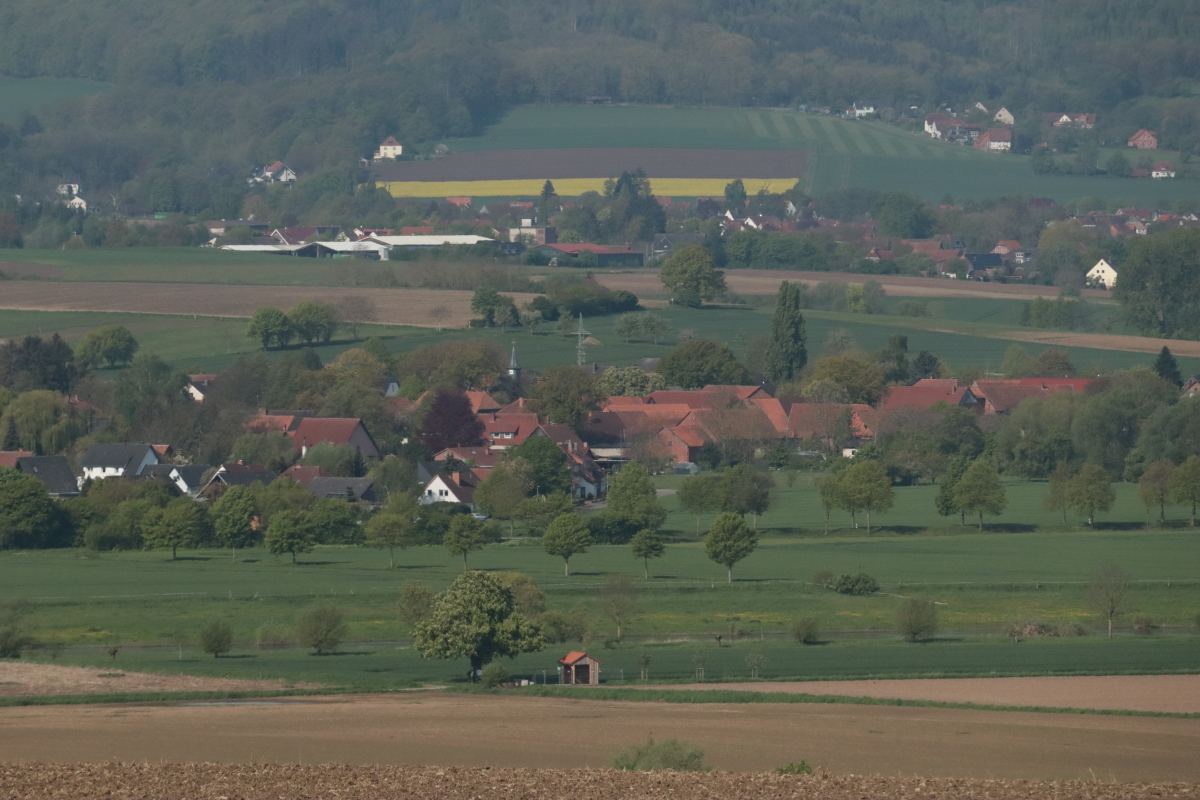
x: 313, y: 431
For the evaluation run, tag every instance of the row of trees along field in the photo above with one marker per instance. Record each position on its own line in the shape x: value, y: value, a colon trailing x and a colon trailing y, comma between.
x: 186, y: 120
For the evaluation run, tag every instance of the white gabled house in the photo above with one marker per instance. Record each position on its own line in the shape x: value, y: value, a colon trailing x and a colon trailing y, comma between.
x: 77, y: 203
x: 1102, y: 276
x: 126, y: 460
x: 458, y: 487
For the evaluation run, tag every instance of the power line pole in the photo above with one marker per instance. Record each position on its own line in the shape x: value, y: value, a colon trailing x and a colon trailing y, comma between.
x: 580, y: 347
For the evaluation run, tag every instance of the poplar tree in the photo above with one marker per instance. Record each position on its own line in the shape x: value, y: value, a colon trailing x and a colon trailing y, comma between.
x: 786, y: 353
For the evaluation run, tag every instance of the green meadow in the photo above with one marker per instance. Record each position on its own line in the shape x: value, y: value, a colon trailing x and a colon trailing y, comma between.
x: 152, y: 608
x: 20, y: 96
x: 972, y: 332
x: 841, y: 153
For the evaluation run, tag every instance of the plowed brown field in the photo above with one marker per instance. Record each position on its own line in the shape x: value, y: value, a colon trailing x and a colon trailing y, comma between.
x: 392, y: 306
x: 561, y: 733
x: 1172, y: 694
x: 25, y: 679
x: 198, y: 781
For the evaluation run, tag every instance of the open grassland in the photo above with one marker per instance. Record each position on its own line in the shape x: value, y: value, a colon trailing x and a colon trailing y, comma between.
x: 970, y: 332
x: 982, y: 582
x: 574, y: 187
x: 839, y: 153
x: 20, y: 96
x: 454, y: 730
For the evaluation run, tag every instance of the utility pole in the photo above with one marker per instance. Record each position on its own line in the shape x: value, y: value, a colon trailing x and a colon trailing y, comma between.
x: 580, y: 348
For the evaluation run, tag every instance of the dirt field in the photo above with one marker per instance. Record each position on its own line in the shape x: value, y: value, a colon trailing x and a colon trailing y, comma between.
x: 23, y: 679
x: 11, y: 269
x: 1132, y: 344
x: 598, y: 162
x: 195, y: 781
x: 766, y: 281
x: 392, y: 306
x: 559, y: 733
x: 1177, y: 694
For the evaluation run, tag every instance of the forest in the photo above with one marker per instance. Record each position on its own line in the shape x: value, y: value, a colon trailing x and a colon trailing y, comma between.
x: 206, y: 90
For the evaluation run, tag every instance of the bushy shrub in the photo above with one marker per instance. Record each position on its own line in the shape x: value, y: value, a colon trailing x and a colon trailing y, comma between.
x: 668, y: 754
x: 917, y: 619
x: 321, y: 628
x: 216, y: 637
x: 823, y: 578
x: 857, y: 585
x: 494, y: 674
x: 1143, y: 623
x: 273, y: 634
x: 795, y: 768
x: 416, y: 602
x: 807, y: 630
x: 12, y: 641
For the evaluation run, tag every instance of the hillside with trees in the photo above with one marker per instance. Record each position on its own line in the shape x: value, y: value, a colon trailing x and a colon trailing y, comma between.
x: 206, y: 91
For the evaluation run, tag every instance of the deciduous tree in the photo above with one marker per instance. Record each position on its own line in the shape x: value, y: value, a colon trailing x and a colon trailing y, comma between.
x: 729, y: 541
x: 182, y: 523
x: 1154, y: 487
x: 1090, y: 491
x: 632, y: 499
x: 268, y: 325
x: 647, y: 544
x: 290, y: 531
x: 450, y: 422
x: 618, y: 601
x: 565, y: 394
x: 566, y: 536
x: 393, y: 526
x: 690, y: 274
x: 1108, y: 593
x: 866, y: 485
x: 1185, y: 484
x: 477, y: 619
x: 234, y: 519
x: 465, y: 535
x: 699, y: 363
x: 980, y: 491
x: 700, y: 494
x: 1056, y: 490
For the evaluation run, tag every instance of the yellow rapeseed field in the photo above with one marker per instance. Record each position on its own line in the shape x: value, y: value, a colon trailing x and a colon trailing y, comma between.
x: 573, y: 187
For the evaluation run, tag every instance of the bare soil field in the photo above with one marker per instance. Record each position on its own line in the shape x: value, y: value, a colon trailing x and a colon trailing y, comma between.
x: 13, y: 269
x: 1173, y: 694
x: 1104, y: 341
x: 23, y: 679
x: 117, y: 781
x: 507, y: 731
x: 392, y: 306
x: 598, y: 162
x: 766, y: 281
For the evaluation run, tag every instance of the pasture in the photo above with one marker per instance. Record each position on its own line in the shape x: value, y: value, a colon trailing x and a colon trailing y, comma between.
x: 839, y: 153
x: 19, y: 96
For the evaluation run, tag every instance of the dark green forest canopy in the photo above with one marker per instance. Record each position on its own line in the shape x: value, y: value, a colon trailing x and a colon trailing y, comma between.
x: 208, y: 88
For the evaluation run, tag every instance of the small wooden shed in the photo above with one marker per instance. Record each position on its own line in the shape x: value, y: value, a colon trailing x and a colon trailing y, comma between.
x: 578, y: 669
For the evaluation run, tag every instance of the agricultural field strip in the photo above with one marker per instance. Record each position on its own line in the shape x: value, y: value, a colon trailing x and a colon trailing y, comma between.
x: 1168, y: 694
x: 392, y: 306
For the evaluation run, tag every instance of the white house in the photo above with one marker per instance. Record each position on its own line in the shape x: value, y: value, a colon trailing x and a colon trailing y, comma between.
x: 1004, y: 117
x: 68, y: 188
x: 77, y: 203
x: 1162, y: 169
x: 276, y: 173
x: 389, y: 148
x: 1102, y: 276
x: 452, y: 488
x: 863, y: 110
x: 128, y: 459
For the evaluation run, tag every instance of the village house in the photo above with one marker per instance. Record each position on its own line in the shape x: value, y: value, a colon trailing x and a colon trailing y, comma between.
x: 328, y: 487
x: 457, y: 487
x: 940, y: 126
x: 1162, y: 169
x: 389, y: 148
x: 53, y: 471
x: 200, y: 385
x: 313, y: 431
x: 126, y: 460
x: 928, y: 392
x: 1058, y: 119
x: 238, y: 474
x: 1004, y: 117
x: 1101, y: 276
x: 1144, y: 140
x: 276, y: 173
x: 189, y: 479
x: 995, y: 140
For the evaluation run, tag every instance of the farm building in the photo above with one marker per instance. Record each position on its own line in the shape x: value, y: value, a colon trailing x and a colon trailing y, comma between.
x: 1144, y: 140
x: 1102, y: 275
x: 578, y: 669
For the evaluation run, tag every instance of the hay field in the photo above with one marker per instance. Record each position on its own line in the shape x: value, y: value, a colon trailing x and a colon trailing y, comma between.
x: 392, y: 306
x: 28, y: 679
x: 507, y: 731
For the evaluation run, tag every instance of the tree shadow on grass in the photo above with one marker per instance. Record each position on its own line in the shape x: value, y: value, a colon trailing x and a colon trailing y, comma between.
x: 338, y: 653
x: 1118, y: 526
x: 192, y: 558
x: 317, y: 563
x: 239, y: 655
x: 1006, y: 527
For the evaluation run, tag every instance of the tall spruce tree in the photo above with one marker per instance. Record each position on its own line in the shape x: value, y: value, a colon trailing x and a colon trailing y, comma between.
x: 1167, y: 367
x: 786, y: 352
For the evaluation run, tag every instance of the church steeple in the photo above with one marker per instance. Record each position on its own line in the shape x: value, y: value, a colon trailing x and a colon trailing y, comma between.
x: 514, y: 369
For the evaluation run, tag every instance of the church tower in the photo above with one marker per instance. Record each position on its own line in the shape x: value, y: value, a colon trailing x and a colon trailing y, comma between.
x: 514, y: 369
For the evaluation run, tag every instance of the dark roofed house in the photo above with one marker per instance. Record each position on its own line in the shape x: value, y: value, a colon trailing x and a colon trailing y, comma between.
x: 342, y: 488
x: 54, y: 471
x: 126, y: 459
x: 304, y: 475
x: 240, y: 475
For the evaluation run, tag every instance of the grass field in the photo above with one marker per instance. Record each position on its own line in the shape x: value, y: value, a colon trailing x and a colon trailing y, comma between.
x: 840, y: 153
x: 961, y: 337
x: 573, y: 187
x: 22, y: 95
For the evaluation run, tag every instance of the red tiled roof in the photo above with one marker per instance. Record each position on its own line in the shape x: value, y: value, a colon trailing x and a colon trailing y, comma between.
x: 390, y: 142
x: 924, y: 395
x: 1078, y: 384
x: 741, y: 392
x: 774, y: 412
x: 265, y: 423
x: 8, y: 458
x: 74, y: 401
x: 923, y: 245
x: 324, y: 430
x: 691, y: 399
x: 1008, y: 245
x: 691, y: 435
x: 482, y: 402
x: 1005, y: 395
x: 807, y: 420
x: 575, y: 248
x: 416, y: 230
x: 481, y: 456
x: 574, y: 656
x: 620, y: 400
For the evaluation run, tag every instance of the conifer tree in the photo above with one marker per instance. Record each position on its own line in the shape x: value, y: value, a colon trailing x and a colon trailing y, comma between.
x: 1167, y: 367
